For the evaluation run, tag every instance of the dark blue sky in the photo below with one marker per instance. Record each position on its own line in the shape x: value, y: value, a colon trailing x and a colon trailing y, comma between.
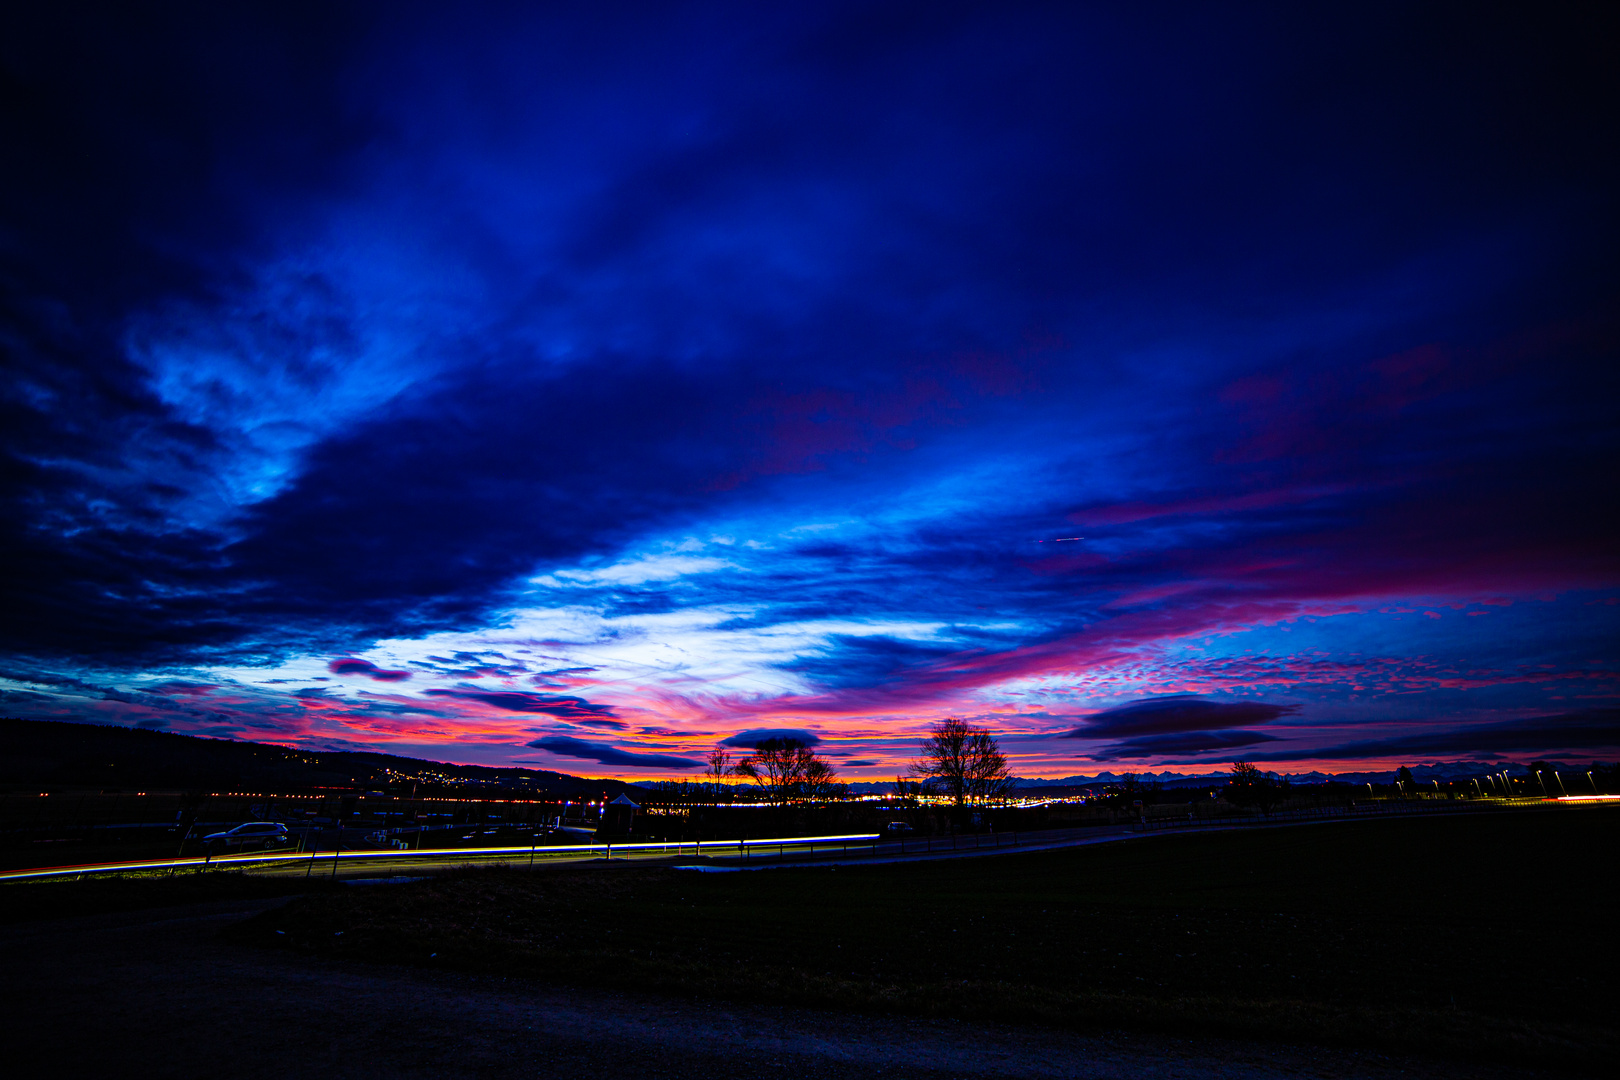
x: 588, y: 385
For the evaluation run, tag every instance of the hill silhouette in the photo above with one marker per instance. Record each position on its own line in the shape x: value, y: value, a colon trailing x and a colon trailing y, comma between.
x: 55, y: 754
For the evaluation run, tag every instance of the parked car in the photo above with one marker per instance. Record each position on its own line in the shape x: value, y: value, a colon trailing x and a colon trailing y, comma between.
x: 254, y: 834
x: 897, y: 828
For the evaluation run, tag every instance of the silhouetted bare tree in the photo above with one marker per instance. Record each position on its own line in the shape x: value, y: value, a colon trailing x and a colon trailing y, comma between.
x: 964, y: 761
x: 720, y: 767
x: 788, y: 770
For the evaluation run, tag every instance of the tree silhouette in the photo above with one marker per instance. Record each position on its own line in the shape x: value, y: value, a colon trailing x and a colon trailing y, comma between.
x: 720, y: 767
x: 964, y: 761
x: 788, y: 770
x: 1249, y: 786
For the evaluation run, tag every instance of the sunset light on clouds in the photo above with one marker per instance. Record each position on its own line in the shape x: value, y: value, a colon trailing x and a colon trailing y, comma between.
x: 584, y: 387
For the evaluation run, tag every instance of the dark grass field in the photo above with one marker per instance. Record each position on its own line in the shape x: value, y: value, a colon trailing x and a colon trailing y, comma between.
x: 62, y: 898
x: 1488, y: 937
x: 1485, y: 936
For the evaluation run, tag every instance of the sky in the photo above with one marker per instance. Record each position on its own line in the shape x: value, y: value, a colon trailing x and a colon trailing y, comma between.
x: 590, y: 386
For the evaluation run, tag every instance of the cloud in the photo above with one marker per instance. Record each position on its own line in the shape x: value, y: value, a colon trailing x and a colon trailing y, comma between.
x: 185, y: 689
x: 1197, y: 742
x: 353, y: 666
x: 866, y: 660
x: 568, y: 708
x: 1590, y: 729
x: 1180, y: 713
x: 753, y: 737
x: 611, y: 755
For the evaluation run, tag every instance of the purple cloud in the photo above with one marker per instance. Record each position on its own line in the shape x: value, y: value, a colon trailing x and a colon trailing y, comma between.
x: 611, y: 755
x: 567, y: 708
x: 1179, y: 713
x: 751, y: 738
x: 351, y: 666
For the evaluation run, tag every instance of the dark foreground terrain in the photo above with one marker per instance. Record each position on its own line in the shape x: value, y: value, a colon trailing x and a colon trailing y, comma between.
x: 1455, y: 947
x: 158, y: 994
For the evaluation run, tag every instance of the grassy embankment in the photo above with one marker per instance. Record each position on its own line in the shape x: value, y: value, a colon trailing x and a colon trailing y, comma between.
x: 63, y: 898
x: 1491, y: 935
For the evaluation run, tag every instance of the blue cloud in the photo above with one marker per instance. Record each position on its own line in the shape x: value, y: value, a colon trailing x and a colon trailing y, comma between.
x: 606, y: 754
x: 1193, y: 742
x: 568, y: 708
x: 753, y: 737
x: 353, y: 666
x: 1585, y: 730
x: 1176, y: 714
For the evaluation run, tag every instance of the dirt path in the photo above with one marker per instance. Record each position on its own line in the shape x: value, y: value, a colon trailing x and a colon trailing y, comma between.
x: 157, y: 993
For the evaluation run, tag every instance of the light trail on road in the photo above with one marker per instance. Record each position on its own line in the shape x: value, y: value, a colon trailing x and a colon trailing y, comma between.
x: 442, y: 857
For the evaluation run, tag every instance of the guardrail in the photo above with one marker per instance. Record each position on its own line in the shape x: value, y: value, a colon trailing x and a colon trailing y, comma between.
x: 743, y: 849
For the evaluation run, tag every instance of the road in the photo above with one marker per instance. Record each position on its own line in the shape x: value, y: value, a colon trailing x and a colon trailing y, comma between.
x: 759, y: 853
x: 160, y: 994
